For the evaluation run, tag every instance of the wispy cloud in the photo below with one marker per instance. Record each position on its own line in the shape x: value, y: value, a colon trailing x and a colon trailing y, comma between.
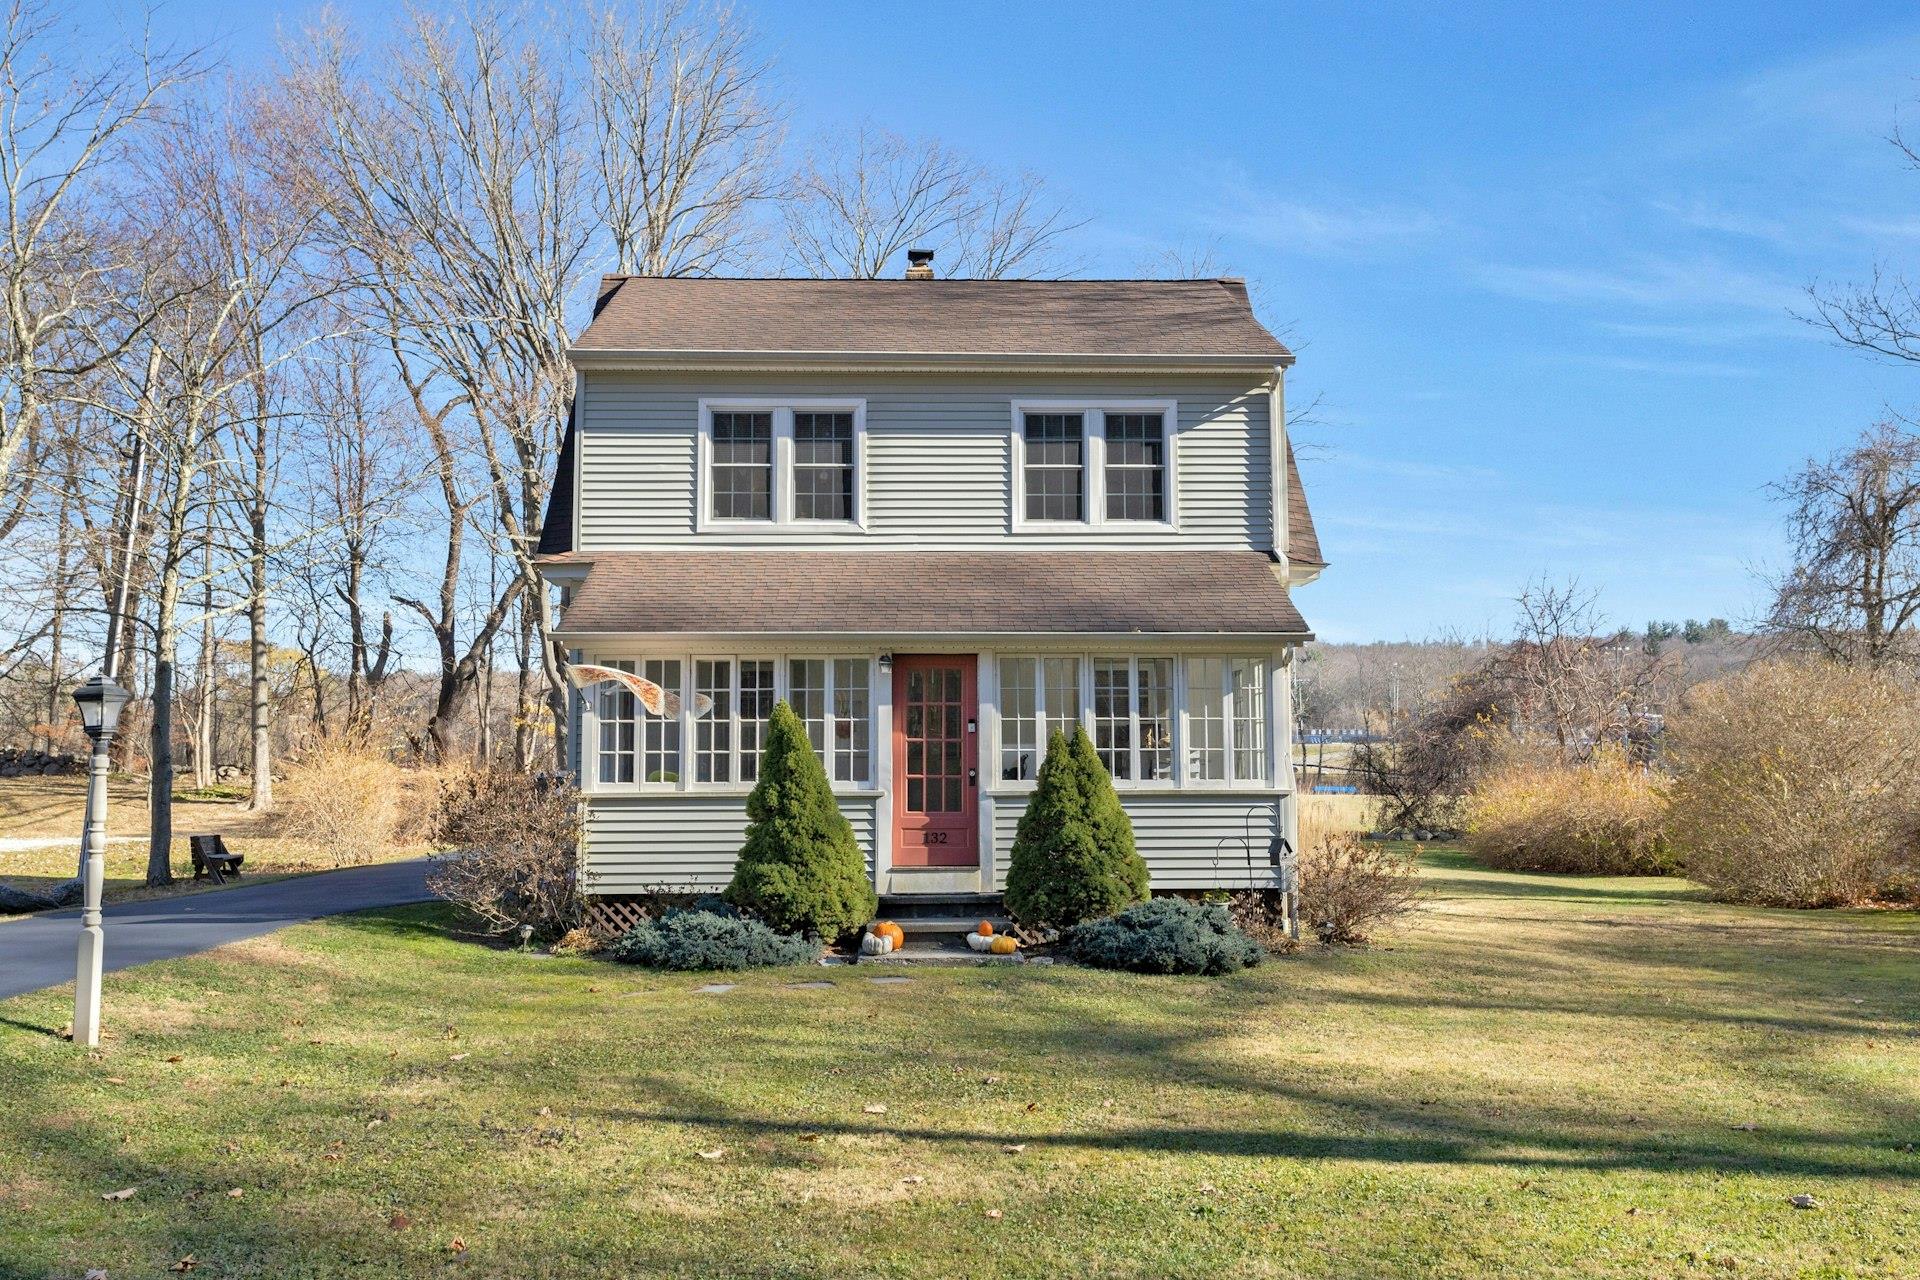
x: 1648, y: 283
x: 1295, y: 226
x: 1655, y: 365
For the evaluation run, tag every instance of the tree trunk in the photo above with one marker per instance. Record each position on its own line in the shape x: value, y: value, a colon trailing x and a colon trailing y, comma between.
x: 260, y: 761
x: 160, y: 796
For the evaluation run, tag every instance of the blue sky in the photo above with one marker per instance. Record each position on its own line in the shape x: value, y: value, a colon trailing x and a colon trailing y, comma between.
x: 1539, y: 270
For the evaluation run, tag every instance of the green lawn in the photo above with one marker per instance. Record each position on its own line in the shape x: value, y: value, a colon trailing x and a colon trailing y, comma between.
x: 1539, y: 1076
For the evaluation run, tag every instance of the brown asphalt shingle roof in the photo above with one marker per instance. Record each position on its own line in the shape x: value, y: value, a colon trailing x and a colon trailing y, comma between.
x: 1105, y: 318
x: 931, y: 592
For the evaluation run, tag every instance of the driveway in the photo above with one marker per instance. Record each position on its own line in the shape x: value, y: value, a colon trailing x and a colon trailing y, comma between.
x: 38, y: 951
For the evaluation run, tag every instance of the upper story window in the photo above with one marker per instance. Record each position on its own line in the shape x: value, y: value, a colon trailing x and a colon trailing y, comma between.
x: 1093, y: 464
x: 778, y: 465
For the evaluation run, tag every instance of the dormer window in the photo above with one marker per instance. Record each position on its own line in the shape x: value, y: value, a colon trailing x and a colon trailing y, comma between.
x: 782, y: 465
x: 1094, y: 464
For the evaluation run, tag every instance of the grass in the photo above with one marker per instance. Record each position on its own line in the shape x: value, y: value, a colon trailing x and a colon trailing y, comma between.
x: 1539, y: 1076
x: 53, y: 809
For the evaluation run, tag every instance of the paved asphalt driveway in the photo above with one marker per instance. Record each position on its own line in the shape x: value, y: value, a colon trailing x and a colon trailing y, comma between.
x: 38, y: 951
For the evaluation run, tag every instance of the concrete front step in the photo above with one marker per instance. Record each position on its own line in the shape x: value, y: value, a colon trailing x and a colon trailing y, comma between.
x: 958, y: 926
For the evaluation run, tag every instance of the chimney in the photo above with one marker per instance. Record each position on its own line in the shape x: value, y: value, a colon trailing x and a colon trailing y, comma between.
x: 919, y: 264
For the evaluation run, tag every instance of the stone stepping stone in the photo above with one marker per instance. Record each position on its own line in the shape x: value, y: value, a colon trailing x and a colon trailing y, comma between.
x: 715, y: 988
x: 810, y: 986
x: 889, y: 982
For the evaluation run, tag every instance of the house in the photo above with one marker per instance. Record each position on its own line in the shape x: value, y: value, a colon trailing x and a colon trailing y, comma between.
x: 940, y: 518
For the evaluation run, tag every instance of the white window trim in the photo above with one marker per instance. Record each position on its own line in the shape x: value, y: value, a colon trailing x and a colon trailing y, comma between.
x: 1093, y: 464
x: 1179, y: 716
x: 781, y: 693
x: 783, y: 526
x: 1229, y: 709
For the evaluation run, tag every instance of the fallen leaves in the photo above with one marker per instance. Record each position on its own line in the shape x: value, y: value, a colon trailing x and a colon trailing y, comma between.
x: 459, y: 1057
x: 458, y: 1248
x: 399, y: 1222
x: 994, y: 1215
x: 1803, y: 1201
x: 236, y: 1193
x: 715, y: 1154
x: 913, y: 1180
x: 875, y: 1108
x: 174, y: 1057
x: 1014, y: 1148
x: 187, y: 1263
x: 124, y: 1193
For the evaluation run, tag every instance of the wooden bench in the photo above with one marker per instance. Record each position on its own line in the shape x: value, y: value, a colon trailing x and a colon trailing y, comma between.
x: 212, y: 858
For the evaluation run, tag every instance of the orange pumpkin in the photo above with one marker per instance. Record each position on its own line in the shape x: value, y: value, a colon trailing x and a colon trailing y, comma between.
x: 986, y: 929
x: 892, y: 930
x: 1004, y: 946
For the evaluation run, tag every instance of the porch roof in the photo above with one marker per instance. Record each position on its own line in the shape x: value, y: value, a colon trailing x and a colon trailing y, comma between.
x: 794, y: 592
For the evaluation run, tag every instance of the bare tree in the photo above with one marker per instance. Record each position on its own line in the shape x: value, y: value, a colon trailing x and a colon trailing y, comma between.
x: 66, y: 112
x: 684, y: 140
x: 859, y: 201
x: 1852, y: 592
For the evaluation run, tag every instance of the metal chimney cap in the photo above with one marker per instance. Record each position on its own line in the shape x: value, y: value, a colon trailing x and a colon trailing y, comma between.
x: 919, y: 257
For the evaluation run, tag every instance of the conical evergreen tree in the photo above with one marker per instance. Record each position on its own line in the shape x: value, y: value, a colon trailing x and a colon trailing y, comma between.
x: 1073, y: 855
x: 801, y: 869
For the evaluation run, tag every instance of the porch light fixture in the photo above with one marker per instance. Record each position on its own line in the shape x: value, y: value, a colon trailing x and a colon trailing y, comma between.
x: 886, y: 664
x: 100, y: 701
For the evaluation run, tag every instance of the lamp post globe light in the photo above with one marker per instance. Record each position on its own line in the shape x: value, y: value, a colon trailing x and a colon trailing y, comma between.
x: 100, y: 701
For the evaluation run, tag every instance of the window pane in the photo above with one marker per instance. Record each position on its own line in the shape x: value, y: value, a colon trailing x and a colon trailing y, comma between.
x: 1136, y: 467
x: 1062, y: 694
x: 823, y: 466
x: 852, y: 725
x: 1156, y: 719
x: 756, y: 704
x: 1206, y: 720
x: 1021, y: 745
x: 713, y: 732
x: 743, y: 466
x: 1250, y: 720
x: 1055, y: 478
x: 661, y: 735
x: 615, y: 707
x: 807, y: 691
x: 1112, y: 716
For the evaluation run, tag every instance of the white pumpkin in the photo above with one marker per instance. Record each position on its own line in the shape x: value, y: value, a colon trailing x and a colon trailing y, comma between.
x: 875, y: 944
x: 979, y: 941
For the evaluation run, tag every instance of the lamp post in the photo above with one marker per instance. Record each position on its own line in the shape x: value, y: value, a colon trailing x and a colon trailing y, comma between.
x: 100, y: 701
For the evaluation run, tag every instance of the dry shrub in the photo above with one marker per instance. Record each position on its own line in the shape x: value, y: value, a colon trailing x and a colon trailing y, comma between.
x: 341, y: 800
x: 1350, y: 887
x: 1603, y: 817
x: 1798, y: 785
x: 514, y: 842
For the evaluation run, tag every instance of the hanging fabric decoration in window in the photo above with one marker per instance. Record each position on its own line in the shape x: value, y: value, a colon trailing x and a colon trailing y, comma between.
x: 656, y: 701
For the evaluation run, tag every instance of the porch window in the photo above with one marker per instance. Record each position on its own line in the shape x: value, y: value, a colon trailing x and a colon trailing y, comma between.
x: 1020, y: 741
x: 1038, y: 697
x: 1113, y: 715
x: 1207, y: 719
x: 615, y: 709
x: 756, y: 704
x: 832, y: 697
x: 743, y: 466
x: 1248, y: 684
x: 1227, y: 720
x: 660, y: 736
x: 713, y: 733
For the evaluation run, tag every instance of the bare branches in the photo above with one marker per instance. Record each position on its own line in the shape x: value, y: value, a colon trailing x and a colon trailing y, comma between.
x: 684, y: 140
x: 858, y: 202
x: 1852, y: 592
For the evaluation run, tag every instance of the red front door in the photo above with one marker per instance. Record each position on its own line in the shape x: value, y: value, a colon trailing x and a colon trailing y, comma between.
x: 936, y: 797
